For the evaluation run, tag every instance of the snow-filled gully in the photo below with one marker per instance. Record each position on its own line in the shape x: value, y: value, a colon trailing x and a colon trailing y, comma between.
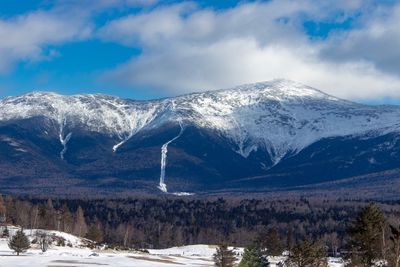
x: 124, y: 140
x: 164, y: 150
x: 63, y: 140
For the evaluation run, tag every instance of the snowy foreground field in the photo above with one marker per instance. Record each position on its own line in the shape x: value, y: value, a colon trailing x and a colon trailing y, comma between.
x: 77, y: 255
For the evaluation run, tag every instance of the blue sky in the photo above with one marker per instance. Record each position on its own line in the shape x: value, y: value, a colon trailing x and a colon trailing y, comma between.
x: 147, y: 49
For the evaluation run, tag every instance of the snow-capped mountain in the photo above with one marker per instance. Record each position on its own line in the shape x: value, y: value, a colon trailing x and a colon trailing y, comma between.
x: 258, y: 128
x: 280, y: 116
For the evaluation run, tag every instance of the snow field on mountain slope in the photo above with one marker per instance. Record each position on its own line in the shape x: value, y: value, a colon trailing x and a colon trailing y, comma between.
x: 278, y: 116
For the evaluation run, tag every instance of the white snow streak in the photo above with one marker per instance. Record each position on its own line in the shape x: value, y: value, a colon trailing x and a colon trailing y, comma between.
x: 63, y: 140
x: 164, y: 150
x: 118, y: 145
x: 115, y: 148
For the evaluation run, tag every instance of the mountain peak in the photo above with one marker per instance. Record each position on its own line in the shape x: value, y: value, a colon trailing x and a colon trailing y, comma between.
x: 279, y: 88
x: 283, y: 88
x: 50, y: 94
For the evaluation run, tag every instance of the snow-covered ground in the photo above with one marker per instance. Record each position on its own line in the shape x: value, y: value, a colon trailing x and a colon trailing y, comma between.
x: 199, y: 255
x: 77, y: 255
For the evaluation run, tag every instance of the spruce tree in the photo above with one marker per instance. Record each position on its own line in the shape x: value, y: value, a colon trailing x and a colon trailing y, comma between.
x: 19, y: 242
x: 253, y: 257
x: 366, y: 236
x: 224, y: 257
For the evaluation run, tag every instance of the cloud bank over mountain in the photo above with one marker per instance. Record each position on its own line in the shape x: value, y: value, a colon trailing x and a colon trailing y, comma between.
x: 346, y: 48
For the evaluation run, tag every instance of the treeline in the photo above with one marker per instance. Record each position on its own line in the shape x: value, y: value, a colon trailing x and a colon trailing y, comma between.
x: 168, y: 221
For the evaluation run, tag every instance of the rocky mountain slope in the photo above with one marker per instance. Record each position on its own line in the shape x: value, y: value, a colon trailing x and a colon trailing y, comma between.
x: 266, y: 135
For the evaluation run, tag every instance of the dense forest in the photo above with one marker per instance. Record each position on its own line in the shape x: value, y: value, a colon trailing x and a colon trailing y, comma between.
x: 168, y: 221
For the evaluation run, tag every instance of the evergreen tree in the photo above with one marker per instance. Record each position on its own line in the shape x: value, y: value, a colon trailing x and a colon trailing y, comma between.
x: 307, y: 254
x: 224, y: 257
x: 253, y: 257
x: 366, y: 236
x: 19, y: 242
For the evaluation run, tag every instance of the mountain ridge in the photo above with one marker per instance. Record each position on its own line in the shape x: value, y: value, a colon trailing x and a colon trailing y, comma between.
x: 122, y: 125
x: 259, y: 127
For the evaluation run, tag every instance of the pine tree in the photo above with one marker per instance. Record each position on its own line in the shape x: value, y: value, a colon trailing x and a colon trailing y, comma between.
x: 253, y: 257
x: 366, y: 236
x: 224, y: 257
x: 19, y: 242
x: 307, y: 254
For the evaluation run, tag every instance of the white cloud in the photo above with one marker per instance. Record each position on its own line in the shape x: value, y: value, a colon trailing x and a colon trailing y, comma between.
x: 233, y: 62
x: 25, y: 37
x: 187, y: 23
x: 377, y: 40
x: 148, y: 29
x: 186, y: 48
x: 35, y: 36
